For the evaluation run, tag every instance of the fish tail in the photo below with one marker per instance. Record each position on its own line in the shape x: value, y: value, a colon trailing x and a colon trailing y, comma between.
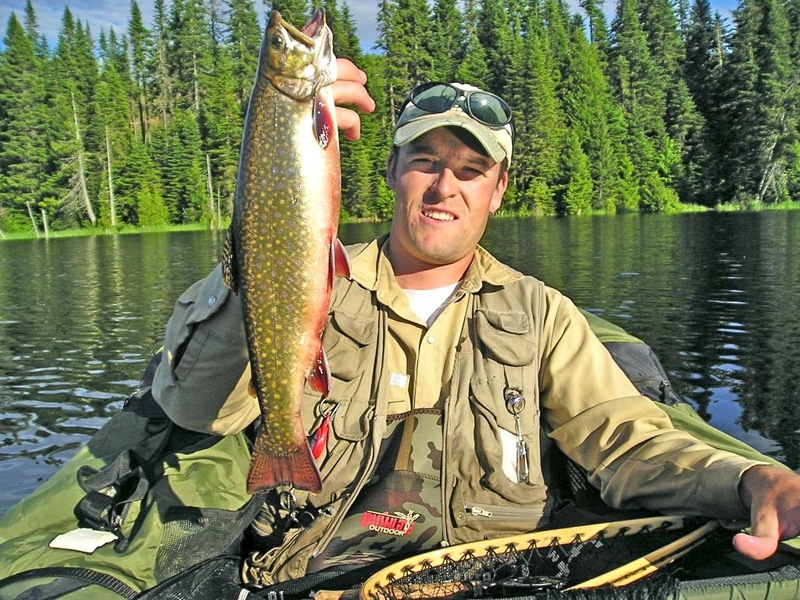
x: 296, y: 468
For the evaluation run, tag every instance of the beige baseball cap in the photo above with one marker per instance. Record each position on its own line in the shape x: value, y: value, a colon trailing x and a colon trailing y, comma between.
x: 414, y: 122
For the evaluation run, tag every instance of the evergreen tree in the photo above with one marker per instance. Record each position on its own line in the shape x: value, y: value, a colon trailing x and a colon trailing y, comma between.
x: 472, y: 67
x: 589, y: 109
x: 702, y: 74
x: 540, y: 132
x: 403, y: 27
x: 244, y: 41
x: 140, y: 190
x: 185, y: 189
x: 343, y: 28
x: 556, y: 19
x: 216, y: 23
x: 574, y: 195
x: 349, y: 46
x: 681, y: 119
x: 141, y: 50
x: 447, y: 49
x: 665, y: 103
x: 495, y: 35
x: 376, y: 129
x: 636, y: 80
x: 634, y: 75
x: 72, y: 79
x: 294, y: 11
x: 163, y: 84
x: 32, y: 31
x: 763, y: 98
x: 22, y: 141
x: 597, y: 24
x: 191, y: 51
x: 221, y: 123
x: 626, y: 192
x: 701, y: 68
x: 110, y: 122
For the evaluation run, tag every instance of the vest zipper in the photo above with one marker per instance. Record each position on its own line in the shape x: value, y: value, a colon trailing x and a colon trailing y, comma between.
x: 333, y: 527
x: 444, y: 483
x: 447, y: 486
x: 493, y: 511
x: 378, y: 431
x: 477, y: 511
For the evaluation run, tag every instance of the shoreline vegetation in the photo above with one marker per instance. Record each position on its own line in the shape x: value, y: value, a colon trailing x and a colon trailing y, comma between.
x: 134, y: 230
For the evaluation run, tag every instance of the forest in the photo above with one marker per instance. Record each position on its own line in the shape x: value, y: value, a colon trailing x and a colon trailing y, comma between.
x: 662, y: 105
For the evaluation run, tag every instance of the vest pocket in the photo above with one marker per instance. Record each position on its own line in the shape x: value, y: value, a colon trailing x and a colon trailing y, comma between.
x: 346, y: 341
x: 507, y: 441
x: 480, y: 514
x: 497, y: 437
x: 505, y: 336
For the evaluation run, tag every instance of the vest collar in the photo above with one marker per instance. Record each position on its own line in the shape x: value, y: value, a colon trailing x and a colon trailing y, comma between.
x: 370, y: 268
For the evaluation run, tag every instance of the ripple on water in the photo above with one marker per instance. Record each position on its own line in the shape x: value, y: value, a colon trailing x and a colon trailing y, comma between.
x: 96, y: 394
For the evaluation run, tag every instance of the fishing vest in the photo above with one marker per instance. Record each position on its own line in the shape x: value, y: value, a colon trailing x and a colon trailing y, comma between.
x: 497, y: 358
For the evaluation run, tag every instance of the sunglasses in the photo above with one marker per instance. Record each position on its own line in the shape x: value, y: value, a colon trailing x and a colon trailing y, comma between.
x: 484, y: 107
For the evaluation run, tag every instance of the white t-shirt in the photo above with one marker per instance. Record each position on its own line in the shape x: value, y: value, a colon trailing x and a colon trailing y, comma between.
x: 427, y: 304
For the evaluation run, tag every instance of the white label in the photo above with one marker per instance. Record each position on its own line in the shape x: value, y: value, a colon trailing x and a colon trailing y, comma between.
x: 398, y: 380
x: 83, y: 540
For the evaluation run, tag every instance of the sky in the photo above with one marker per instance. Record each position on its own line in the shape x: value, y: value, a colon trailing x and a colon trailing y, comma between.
x: 105, y: 14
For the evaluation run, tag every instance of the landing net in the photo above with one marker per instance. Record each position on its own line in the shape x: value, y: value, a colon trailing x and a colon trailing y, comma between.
x: 609, y: 554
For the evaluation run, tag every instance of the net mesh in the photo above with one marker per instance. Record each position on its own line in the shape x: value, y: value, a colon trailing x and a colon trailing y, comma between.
x: 519, y: 569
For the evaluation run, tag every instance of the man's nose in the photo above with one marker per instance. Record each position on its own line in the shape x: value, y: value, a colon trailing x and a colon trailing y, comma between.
x: 446, y: 183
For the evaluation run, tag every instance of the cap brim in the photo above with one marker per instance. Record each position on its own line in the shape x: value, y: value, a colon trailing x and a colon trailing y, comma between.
x: 424, y: 123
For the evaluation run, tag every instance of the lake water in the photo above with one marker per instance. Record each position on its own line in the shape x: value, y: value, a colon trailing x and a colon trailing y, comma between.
x: 716, y: 295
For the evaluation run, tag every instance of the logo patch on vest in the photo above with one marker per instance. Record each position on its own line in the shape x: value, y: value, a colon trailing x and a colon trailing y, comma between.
x: 398, y: 524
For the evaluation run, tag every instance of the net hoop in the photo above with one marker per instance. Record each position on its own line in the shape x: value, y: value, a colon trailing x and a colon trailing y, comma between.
x: 383, y: 579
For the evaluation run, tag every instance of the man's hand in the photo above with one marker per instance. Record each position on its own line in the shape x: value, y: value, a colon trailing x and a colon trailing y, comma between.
x: 773, y: 495
x: 349, y: 88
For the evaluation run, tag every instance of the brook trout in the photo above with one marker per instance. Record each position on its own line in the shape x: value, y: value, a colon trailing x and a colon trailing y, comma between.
x: 282, y: 253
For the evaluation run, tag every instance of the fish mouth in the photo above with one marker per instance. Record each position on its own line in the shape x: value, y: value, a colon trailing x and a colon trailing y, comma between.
x: 298, y: 61
x: 315, y: 24
x: 308, y: 33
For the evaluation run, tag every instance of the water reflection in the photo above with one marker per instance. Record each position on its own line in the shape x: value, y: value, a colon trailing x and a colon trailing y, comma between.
x: 715, y: 295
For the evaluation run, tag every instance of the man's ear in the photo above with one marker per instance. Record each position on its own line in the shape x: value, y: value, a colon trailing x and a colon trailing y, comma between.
x: 499, y: 190
x: 391, y: 164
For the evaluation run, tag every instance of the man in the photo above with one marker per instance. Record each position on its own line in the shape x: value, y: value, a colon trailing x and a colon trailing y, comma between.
x: 454, y: 377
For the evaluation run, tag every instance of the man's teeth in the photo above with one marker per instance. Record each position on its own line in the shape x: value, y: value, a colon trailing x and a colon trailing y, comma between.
x: 439, y: 216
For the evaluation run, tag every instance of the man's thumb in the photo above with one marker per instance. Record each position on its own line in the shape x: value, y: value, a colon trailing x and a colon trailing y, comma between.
x: 757, y: 548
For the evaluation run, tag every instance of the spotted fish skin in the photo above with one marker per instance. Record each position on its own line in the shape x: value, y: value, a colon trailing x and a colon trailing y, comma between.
x: 280, y: 248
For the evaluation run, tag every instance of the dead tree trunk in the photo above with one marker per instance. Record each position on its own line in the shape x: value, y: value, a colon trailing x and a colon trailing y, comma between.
x: 112, y: 206
x: 81, y: 168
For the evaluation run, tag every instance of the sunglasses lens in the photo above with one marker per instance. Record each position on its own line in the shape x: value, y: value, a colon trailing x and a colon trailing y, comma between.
x: 481, y: 106
x: 489, y: 109
x: 434, y: 98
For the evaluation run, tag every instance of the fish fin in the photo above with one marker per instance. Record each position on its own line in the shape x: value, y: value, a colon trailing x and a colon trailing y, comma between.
x: 296, y: 468
x: 230, y: 274
x: 320, y: 376
x: 340, y: 262
x: 324, y: 123
x: 318, y: 440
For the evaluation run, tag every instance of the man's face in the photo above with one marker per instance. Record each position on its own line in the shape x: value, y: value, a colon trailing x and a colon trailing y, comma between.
x: 445, y: 189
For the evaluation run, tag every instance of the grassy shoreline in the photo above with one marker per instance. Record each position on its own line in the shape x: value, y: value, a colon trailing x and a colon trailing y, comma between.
x: 130, y: 230
x: 87, y: 231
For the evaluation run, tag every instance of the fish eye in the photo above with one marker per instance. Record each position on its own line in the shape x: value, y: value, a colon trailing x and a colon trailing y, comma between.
x: 277, y: 41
